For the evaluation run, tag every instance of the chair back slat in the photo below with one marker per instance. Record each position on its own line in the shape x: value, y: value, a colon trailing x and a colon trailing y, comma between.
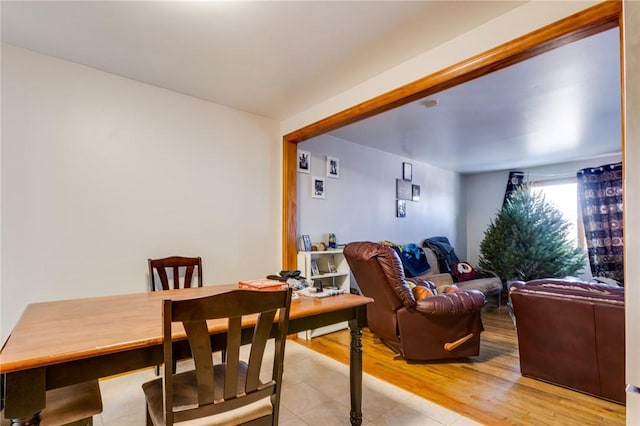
x: 167, y: 348
x: 260, y: 337
x: 241, y: 383
x: 192, y: 267
x: 162, y: 274
x: 188, y: 275
x: 233, y: 358
x: 198, y: 336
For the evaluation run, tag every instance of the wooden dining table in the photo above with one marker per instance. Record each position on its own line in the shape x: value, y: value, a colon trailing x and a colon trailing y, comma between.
x: 60, y: 343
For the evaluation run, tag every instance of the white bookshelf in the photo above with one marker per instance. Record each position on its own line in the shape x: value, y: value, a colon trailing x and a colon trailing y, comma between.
x: 339, y: 277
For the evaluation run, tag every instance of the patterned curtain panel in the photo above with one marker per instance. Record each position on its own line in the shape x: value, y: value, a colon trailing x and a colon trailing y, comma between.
x: 600, y: 195
x: 515, y: 181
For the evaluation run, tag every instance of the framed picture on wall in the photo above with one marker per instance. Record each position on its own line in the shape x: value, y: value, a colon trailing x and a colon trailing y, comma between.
x: 407, y: 171
x: 415, y: 192
x: 304, y: 161
x: 401, y: 208
x: 333, y: 167
x: 403, y: 189
x: 317, y: 187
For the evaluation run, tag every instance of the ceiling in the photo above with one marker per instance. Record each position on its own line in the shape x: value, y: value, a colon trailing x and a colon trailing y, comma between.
x: 561, y: 106
x: 272, y: 58
x: 277, y: 59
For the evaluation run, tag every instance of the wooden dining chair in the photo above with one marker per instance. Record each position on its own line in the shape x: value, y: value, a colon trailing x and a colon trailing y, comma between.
x: 229, y: 392
x: 169, y: 270
x: 73, y: 405
x: 175, y: 267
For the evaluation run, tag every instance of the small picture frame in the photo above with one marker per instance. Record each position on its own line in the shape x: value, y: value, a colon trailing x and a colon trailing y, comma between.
x: 318, y: 186
x: 314, y: 268
x: 403, y: 189
x: 401, y: 208
x: 331, y: 265
x: 415, y: 192
x: 333, y: 167
x: 407, y: 171
x: 304, y: 161
x: 304, y: 243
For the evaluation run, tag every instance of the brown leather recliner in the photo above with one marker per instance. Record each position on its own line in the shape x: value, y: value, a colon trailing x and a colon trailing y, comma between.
x: 571, y: 333
x: 443, y: 326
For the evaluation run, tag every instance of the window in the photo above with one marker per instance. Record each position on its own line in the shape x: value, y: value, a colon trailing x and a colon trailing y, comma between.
x: 563, y: 193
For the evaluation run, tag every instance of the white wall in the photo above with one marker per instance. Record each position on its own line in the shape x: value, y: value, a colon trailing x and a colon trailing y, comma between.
x: 100, y: 173
x: 361, y: 204
x: 485, y: 193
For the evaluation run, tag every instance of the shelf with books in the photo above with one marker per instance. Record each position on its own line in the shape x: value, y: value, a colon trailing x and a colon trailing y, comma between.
x: 330, y: 268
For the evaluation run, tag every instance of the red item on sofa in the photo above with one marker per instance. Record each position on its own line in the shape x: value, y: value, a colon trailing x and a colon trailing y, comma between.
x: 464, y: 272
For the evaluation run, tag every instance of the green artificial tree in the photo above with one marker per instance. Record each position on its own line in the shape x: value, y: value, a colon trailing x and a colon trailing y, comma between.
x: 528, y: 239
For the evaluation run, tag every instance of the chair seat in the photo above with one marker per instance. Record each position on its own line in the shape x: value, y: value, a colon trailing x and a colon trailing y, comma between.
x: 70, y: 405
x: 186, y: 396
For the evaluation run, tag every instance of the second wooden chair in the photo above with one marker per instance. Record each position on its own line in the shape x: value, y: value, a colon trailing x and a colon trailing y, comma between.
x: 175, y: 267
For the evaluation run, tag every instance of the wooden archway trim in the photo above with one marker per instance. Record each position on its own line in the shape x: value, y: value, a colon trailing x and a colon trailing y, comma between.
x: 590, y: 21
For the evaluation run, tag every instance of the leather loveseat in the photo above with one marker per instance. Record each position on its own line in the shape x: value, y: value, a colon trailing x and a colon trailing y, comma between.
x: 572, y: 334
x: 441, y: 326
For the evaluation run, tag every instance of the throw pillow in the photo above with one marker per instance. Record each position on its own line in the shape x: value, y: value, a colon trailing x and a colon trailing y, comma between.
x: 462, y: 271
x: 452, y: 289
x: 448, y: 288
x: 421, y: 292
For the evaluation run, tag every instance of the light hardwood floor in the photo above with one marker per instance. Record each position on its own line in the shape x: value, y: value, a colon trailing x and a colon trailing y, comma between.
x: 488, y: 389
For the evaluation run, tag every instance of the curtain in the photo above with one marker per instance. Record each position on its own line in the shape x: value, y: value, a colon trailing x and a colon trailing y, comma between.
x: 601, y: 202
x: 516, y: 179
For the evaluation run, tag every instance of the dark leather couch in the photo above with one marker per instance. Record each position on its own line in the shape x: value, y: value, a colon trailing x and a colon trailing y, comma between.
x: 572, y: 334
x: 442, y: 326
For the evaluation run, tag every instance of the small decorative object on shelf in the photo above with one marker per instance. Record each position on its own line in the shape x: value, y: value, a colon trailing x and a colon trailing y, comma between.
x: 314, y: 268
x: 319, y: 246
x: 332, y: 240
x: 304, y: 243
x: 331, y: 265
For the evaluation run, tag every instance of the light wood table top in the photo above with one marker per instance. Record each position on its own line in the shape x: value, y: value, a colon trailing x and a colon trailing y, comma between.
x: 61, y: 331
x: 56, y: 344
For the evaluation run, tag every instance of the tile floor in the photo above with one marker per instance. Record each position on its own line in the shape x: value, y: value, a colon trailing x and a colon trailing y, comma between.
x: 315, y: 392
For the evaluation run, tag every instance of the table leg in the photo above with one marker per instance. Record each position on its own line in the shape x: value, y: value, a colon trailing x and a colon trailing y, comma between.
x: 25, y: 395
x: 355, y: 373
x: 32, y: 421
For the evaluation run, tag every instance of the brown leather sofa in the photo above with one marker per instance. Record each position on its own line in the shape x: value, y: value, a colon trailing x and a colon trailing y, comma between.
x: 572, y: 334
x: 442, y: 326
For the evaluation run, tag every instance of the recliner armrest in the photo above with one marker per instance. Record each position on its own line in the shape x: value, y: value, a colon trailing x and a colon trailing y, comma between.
x: 452, y: 303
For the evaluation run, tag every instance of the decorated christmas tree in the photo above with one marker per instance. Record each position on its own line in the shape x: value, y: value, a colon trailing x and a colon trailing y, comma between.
x: 529, y: 239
